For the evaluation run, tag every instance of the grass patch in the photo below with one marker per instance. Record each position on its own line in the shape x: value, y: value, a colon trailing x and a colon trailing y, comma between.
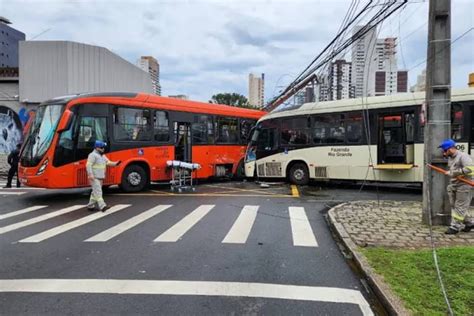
x: 412, y: 276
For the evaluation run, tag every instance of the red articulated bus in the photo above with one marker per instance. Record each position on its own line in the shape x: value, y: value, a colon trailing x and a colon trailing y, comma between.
x: 143, y: 131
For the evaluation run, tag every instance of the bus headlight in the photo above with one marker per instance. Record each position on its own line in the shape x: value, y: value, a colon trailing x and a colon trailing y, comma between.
x: 42, y: 168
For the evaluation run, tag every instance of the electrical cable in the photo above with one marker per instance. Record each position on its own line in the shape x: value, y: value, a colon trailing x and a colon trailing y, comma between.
x: 383, y: 14
x: 444, y: 48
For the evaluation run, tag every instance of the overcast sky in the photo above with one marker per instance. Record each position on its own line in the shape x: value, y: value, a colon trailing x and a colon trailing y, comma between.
x: 205, y: 47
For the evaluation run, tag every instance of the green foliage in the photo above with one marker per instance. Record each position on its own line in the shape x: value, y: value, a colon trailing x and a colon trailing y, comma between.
x: 233, y: 99
x: 412, y: 275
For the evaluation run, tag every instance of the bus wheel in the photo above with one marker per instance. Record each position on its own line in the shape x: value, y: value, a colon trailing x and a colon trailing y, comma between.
x: 299, y: 174
x: 134, y: 179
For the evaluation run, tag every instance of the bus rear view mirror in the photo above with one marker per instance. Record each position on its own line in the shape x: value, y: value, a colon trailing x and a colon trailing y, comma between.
x: 65, y: 121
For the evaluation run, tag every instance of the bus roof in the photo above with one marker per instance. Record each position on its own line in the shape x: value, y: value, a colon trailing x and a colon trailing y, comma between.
x: 346, y: 105
x: 153, y: 101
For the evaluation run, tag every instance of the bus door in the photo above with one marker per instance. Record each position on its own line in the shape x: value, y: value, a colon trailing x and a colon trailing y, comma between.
x: 183, y: 145
x: 396, y: 138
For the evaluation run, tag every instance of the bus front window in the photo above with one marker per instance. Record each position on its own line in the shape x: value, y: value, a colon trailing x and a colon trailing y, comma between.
x: 41, y: 134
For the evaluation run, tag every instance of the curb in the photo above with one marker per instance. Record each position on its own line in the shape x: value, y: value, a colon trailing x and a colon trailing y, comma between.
x: 392, y: 304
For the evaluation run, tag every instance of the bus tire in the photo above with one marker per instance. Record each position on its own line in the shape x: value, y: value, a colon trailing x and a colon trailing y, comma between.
x: 299, y: 174
x: 134, y: 179
x: 240, y: 171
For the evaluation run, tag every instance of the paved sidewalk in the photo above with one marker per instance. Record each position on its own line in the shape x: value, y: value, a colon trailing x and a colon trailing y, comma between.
x: 393, y: 224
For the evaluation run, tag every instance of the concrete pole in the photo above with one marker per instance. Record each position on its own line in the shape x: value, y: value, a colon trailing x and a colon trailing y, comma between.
x: 438, y: 108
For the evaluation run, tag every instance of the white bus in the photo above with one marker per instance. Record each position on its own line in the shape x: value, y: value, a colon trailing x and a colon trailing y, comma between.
x: 373, y: 139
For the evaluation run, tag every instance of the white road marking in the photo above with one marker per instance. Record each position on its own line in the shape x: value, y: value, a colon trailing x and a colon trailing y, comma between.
x: 20, y: 188
x: 71, y: 225
x: 38, y: 219
x: 124, y: 226
x: 11, y: 193
x: 23, y: 211
x: 301, y: 228
x: 240, y: 231
x: 180, y: 228
x: 201, y: 288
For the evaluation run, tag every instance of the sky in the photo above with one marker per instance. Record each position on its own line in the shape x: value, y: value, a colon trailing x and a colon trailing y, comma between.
x: 206, y: 47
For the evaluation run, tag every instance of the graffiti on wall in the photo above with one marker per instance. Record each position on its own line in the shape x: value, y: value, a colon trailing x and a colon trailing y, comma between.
x: 10, y: 129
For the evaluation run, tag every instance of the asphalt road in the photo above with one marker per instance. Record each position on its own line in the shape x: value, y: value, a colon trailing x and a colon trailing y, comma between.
x: 228, y: 248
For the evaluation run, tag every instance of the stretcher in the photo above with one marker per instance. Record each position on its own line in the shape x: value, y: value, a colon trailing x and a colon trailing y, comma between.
x: 182, y: 174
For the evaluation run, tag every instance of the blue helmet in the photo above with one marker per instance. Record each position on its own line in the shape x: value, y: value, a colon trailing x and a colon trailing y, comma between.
x: 447, y: 143
x: 100, y: 144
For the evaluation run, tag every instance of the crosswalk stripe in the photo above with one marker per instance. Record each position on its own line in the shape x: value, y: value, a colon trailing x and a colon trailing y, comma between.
x: 179, y: 229
x: 11, y: 193
x: 240, y: 231
x: 23, y: 211
x: 301, y: 228
x: 38, y: 219
x: 71, y: 225
x: 124, y: 226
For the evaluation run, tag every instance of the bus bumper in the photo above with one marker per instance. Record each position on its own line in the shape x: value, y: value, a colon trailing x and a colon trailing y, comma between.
x: 250, y: 169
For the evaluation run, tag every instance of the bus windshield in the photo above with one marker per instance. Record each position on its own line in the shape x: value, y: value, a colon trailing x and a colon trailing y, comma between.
x: 41, y: 134
x: 251, y: 147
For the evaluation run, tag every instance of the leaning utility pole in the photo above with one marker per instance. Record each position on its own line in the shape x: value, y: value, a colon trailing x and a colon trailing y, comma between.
x: 438, y: 111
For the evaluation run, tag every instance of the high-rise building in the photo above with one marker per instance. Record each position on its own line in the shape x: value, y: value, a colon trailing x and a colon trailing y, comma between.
x: 256, y: 90
x: 340, y: 80
x: 321, y: 89
x: 420, y: 82
x: 374, y: 66
x: 179, y: 96
x: 363, y: 60
x: 9, y: 38
x: 388, y: 79
x: 151, y: 65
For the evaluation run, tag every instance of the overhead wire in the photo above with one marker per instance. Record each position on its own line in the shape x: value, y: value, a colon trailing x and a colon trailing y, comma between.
x: 381, y: 15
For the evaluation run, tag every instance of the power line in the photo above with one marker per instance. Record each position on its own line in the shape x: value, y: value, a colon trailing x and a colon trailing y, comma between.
x: 441, y: 50
x: 380, y: 16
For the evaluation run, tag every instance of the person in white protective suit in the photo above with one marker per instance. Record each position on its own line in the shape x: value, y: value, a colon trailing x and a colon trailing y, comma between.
x: 96, y: 165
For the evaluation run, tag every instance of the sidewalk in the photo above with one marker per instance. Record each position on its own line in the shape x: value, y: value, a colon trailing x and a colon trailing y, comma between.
x: 390, y: 224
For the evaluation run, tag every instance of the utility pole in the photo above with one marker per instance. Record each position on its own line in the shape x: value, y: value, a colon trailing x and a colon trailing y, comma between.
x: 438, y: 111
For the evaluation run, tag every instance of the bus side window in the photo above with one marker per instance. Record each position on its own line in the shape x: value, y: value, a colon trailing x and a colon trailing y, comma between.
x: 294, y: 131
x: 161, y: 126
x: 227, y: 130
x: 267, y: 140
x: 354, y: 128
x: 410, y: 127
x: 337, y: 130
x: 321, y: 127
x: 456, y: 121
x: 200, y: 131
x: 132, y: 124
x: 245, y: 127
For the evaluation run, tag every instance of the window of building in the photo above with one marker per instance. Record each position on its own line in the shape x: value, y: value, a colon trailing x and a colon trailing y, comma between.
x: 227, y: 130
x: 132, y: 124
x: 202, y: 130
x: 161, y: 126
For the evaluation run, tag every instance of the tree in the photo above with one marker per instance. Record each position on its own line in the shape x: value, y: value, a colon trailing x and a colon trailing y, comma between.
x: 233, y: 99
